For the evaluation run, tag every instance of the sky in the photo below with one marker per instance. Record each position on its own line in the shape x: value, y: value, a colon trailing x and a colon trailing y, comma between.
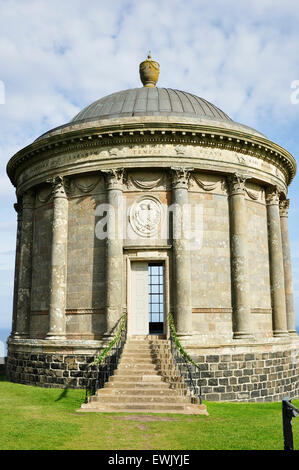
x: 58, y: 56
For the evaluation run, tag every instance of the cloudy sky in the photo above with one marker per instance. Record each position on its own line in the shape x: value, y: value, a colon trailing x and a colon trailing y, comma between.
x: 57, y: 56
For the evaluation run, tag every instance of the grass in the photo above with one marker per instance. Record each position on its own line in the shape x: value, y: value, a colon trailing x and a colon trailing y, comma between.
x: 34, y: 418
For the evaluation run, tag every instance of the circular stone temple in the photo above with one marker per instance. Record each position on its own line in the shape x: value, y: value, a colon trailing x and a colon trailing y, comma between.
x: 154, y: 201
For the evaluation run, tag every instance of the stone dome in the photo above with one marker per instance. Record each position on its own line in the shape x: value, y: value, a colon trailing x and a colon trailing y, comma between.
x: 151, y: 102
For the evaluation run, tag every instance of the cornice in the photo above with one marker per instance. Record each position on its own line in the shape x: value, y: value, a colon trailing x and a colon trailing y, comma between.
x: 153, y: 133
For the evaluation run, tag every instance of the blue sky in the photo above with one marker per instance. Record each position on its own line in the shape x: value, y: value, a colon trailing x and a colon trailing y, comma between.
x: 58, y: 56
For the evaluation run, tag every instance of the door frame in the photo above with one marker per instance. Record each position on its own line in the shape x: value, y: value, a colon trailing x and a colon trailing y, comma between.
x: 148, y: 257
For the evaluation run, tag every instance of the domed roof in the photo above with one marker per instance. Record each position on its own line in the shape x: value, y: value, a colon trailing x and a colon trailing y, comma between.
x: 148, y: 101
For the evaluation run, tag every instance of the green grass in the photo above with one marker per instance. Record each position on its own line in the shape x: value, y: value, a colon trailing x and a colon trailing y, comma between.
x: 36, y: 418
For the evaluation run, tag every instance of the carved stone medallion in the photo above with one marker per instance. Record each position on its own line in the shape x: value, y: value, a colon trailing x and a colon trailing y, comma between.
x: 145, y: 216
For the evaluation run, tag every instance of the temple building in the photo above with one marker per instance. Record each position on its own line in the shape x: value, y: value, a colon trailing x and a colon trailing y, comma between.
x: 153, y: 201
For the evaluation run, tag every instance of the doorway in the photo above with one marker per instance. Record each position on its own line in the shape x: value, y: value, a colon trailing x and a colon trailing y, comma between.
x: 147, y: 298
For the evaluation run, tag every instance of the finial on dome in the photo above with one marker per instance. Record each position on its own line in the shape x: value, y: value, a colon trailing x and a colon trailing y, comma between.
x: 149, y: 71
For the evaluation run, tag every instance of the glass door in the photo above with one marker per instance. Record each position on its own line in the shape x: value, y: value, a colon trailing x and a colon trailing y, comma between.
x: 156, y: 298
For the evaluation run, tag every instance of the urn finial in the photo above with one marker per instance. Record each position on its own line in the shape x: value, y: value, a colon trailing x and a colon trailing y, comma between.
x: 149, y: 71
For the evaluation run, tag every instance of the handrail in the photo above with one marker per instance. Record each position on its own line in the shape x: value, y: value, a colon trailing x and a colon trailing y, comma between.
x: 187, y: 360
x: 102, y: 356
x: 106, y: 363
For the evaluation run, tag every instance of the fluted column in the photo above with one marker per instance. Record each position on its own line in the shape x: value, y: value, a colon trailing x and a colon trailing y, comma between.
x: 276, y: 263
x: 288, y: 282
x: 181, y: 252
x: 114, y: 248
x: 24, y: 280
x: 57, y: 321
x: 18, y: 209
x: 239, y: 258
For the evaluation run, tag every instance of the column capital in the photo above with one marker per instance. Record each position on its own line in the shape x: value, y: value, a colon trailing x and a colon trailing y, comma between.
x: 114, y: 178
x: 18, y: 208
x: 284, y: 205
x: 28, y: 198
x: 272, y: 195
x: 236, y: 183
x: 60, y: 186
x: 181, y: 177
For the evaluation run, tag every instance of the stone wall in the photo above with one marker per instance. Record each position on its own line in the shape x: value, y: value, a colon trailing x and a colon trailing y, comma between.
x: 210, y: 269
x: 241, y: 376
x: 260, y: 376
x: 85, y: 305
x: 210, y: 255
x: 42, y: 237
x: 49, y: 370
x: 258, y: 264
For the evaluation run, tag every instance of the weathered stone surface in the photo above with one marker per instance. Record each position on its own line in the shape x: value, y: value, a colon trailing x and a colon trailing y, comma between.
x: 229, y: 287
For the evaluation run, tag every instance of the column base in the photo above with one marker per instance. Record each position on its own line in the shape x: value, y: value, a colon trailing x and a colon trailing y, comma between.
x: 280, y: 333
x: 56, y: 336
x: 293, y: 333
x: 19, y: 336
x: 243, y: 335
x: 184, y: 338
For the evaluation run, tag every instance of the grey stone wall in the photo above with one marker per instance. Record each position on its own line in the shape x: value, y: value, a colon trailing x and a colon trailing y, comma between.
x: 210, y: 269
x: 256, y: 377
x: 258, y: 264
x: 42, y: 237
x: 85, y: 268
x: 49, y: 370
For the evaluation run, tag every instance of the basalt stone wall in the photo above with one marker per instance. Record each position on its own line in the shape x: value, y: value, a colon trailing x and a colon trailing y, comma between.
x: 254, y: 377
x: 49, y: 370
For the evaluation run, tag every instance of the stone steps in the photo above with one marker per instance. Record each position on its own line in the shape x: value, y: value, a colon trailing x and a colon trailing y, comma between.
x: 145, y: 408
x: 145, y: 381
x: 136, y: 392
x: 135, y: 398
x: 136, y: 371
x: 135, y: 378
x: 154, y: 384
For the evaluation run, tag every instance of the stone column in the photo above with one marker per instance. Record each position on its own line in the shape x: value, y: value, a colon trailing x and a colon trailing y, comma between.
x: 18, y: 209
x: 239, y: 258
x: 58, y: 267
x: 24, y: 278
x: 288, y: 283
x: 114, y: 249
x: 276, y: 263
x: 181, y: 252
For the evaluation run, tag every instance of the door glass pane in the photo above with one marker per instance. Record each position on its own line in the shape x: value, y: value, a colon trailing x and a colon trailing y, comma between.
x: 156, y: 290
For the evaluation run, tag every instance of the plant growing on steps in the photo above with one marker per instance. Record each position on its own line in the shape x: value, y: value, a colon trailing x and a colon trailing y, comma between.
x: 177, y: 342
x: 106, y: 363
x: 101, y: 357
x: 187, y: 363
